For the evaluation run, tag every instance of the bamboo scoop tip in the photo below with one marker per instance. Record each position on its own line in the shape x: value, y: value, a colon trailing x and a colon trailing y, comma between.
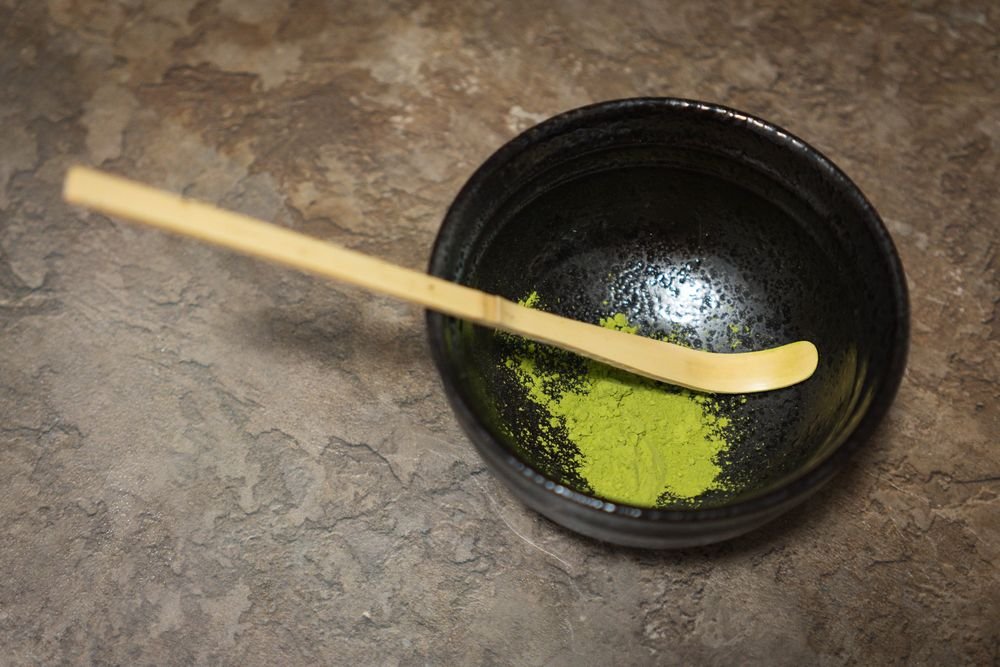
x: 804, y: 358
x: 793, y: 363
x: 807, y: 355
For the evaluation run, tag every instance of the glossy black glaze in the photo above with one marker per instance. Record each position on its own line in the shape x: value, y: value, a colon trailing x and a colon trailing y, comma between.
x: 703, y: 223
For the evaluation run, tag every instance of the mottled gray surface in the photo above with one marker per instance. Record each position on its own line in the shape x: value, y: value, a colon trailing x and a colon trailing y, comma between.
x: 204, y: 459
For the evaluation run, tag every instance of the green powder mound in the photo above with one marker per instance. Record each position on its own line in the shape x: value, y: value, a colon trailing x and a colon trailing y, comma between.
x: 639, y: 442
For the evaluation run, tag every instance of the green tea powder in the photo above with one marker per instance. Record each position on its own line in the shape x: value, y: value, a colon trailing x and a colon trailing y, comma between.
x: 638, y: 442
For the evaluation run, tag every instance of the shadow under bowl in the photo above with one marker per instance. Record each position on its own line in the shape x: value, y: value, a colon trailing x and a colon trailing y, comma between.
x: 700, y: 224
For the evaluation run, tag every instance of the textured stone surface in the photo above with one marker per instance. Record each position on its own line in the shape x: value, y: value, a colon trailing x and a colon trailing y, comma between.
x: 204, y: 459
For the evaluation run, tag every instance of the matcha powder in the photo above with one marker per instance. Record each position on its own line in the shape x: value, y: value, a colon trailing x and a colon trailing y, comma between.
x: 639, y: 442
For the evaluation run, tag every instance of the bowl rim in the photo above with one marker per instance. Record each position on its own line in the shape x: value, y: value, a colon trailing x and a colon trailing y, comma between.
x: 798, y: 486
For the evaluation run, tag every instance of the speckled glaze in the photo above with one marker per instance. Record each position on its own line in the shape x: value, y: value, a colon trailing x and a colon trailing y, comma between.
x: 700, y: 223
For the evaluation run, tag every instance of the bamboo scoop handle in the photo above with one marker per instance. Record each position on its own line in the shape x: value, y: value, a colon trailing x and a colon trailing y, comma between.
x: 695, y: 369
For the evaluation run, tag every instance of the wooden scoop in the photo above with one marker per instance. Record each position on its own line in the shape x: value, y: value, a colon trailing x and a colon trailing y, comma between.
x: 695, y: 369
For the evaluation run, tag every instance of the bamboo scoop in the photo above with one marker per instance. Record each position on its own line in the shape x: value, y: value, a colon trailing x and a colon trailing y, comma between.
x: 695, y: 369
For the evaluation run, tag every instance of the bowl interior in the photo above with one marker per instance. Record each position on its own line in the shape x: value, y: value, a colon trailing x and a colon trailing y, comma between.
x: 711, y: 248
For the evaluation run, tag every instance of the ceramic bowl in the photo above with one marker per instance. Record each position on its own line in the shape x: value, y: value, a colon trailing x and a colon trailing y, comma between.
x: 700, y: 224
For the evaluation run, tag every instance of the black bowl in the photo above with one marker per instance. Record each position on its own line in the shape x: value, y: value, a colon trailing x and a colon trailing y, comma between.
x: 703, y: 224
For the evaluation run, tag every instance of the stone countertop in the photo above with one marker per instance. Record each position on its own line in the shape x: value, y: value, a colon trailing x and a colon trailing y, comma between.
x: 206, y: 459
